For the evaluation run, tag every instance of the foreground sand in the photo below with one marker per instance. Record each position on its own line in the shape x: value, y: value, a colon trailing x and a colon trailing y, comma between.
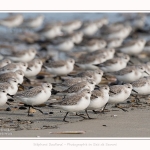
x: 116, y: 123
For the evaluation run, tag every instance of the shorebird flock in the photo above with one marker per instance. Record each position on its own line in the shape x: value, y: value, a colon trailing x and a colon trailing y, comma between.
x: 76, y: 66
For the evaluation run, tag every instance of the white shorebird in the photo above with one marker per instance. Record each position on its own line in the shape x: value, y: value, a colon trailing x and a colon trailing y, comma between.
x: 116, y: 31
x: 19, y: 74
x: 4, y: 62
x: 130, y: 74
x: 33, y: 22
x: 90, y: 62
x: 142, y: 86
x: 70, y: 26
x: 60, y: 67
x: 94, y: 45
x: 77, y: 88
x: 11, y: 86
x: 34, y: 68
x: 12, y: 21
x: 74, y: 103
x: 96, y: 75
x: 35, y: 96
x: 133, y: 47
x: 114, y: 64
x: 119, y: 93
x: 3, y: 96
x: 22, y: 56
x: 113, y: 43
x: 14, y: 67
x: 50, y: 31
x: 89, y: 28
x: 99, y: 98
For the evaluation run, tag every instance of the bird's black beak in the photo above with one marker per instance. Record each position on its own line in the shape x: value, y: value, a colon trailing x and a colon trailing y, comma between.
x: 134, y: 91
x: 97, y: 86
x: 131, y: 62
x: 44, y: 67
x: 112, y: 92
x: 10, y: 95
x: 21, y: 85
x: 146, y: 72
x: 28, y: 80
x: 29, y: 68
x: 105, y: 77
x: 37, y: 55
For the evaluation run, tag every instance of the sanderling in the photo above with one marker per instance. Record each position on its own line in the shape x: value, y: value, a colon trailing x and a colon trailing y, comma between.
x: 76, y: 37
x: 101, y: 22
x: 78, y: 87
x: 146, y: 49
x: 3, y: 96
x: 133, y: 47
x: 33, y: 22
x: 113, y: 43
x: 94, y: 45
x: 147, y: 69
x: 51, y: 31
x: 63, y: 45
x: 89, y: 28
x: 119, y: 93
x: 130, y: 74
x: 74, y: 103
x: 11, y: 86
x: 114, y: 64
x: 119, y: 31
x: 4, y: 62
x: 68, y: 82
x: 19, y: 74
x: 14, y: 67
x: 70, y: 26
x: 60, y: 67
x: 22, y: 56
x: 107, y: 52
x: 35, y: 96
x: 12, y: 21
x: 99, y: 98
x: 142, y: 86
x: 35, y: 67
x: 96, y: 75
x: 90, y: 62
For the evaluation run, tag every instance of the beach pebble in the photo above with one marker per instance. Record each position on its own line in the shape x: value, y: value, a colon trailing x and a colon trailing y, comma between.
x: 40, y: 77
x: 10, y: 100
x: 22, y: 108
x: 51, y: 112
x: 104, y: 125
x: 8, y: 109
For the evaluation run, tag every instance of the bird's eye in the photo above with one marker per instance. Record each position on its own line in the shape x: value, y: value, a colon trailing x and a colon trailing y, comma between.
x: 129, y: 87
x: 106, y: 88
x: 48, y: 86
x: 15, y: 81
x: 88, y: 92
x: 3, y: 91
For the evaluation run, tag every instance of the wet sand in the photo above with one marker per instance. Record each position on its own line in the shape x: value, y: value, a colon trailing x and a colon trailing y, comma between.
x: 115, y: 123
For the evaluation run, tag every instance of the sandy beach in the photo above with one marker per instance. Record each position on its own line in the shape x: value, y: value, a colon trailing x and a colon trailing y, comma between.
x: 14, y: 122
x: 114, y: 123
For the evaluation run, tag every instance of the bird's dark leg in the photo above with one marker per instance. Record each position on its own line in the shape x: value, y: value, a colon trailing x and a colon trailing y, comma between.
x: 37, y: 109
x: 65, y: 117
x: 96, y: 112
x: 80, y: 116
x: 87, y: 114
x: 29, y: 111
x: 104, y: 108
x: 120, y: 107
